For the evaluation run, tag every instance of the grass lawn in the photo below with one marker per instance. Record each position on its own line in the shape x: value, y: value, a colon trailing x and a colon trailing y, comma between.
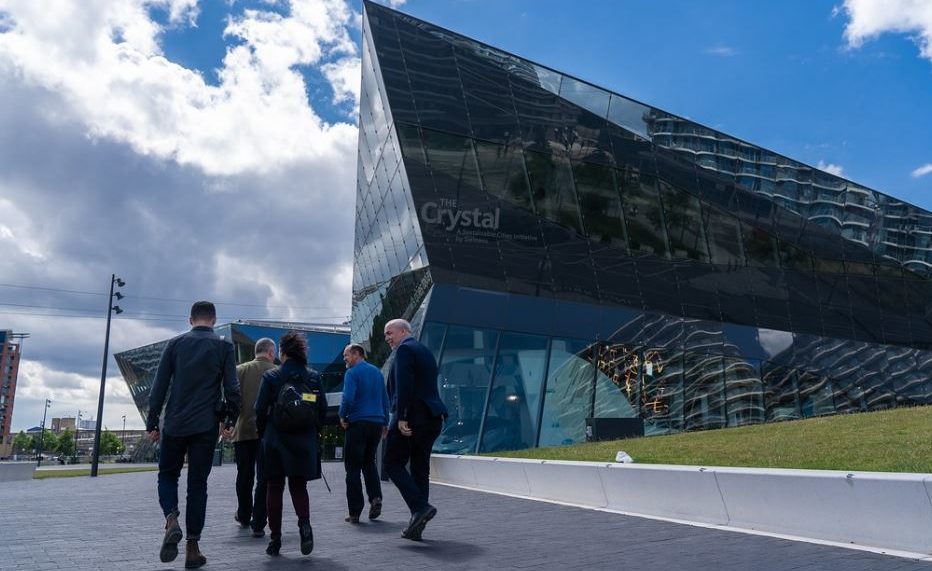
x: 898, y: 440
x: 101, y: 471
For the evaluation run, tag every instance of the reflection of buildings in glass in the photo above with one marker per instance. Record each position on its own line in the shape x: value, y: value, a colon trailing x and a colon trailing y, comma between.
x: 571, y: 253
x: 325, y: 354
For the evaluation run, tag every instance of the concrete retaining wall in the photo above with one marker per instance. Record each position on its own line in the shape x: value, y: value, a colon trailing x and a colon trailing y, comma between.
x: 10, y: 471
x: 881, y: 510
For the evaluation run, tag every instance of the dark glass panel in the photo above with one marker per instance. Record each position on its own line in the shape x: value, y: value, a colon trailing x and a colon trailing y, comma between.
x: 453, y: 162
x: 698, y: 286
x: 434, y: 79
x: 629, y: 114
x: 847, y: 394
x: 643, y: 216
x: 542, y: 116
x: 760, y: 247
x: 432, y: 337
x: 803, y: 302
x: 502, y: 172
x: 793, y: 258
x: 514, y: 403
x: 599, y: 205
x: 618, y: 279
x: 552, y: 190
x: 684, y: 224
x: 616, y: 383
x: 465, y: 368
x: 488, y: 97
x: 815, y: 394
x: 587, y: 96
x: 391, y: 64
x: 744, y: 394
x: 703, y: 381
x: 780, y: 398
x: 568, y: 394
x: 662, y: 391
x: 724, y: 234
x: 657, y: 280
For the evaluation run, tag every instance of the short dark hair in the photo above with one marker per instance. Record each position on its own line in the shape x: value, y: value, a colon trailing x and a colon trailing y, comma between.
x: 203, y: 310
x: 358, y: 349
x: 294, y: 345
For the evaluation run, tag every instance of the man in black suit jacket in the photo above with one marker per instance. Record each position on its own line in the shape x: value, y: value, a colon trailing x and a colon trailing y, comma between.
x: 417, y: 419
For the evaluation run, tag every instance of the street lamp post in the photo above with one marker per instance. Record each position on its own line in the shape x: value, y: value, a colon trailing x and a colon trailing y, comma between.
x: 123, y: 434
x: 111, y: 309
x: 77, y: 430
x: 48, y: 403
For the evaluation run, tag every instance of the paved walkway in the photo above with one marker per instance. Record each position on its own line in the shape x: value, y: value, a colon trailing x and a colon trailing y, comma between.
x: 113, y: 522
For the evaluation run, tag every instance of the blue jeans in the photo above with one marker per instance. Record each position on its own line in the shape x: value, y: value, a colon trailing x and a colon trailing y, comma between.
x: 200, y: 451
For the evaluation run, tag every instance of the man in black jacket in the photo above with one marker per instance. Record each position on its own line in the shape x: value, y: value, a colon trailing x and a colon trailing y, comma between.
x: 417, y: 419
x: 197, y: 371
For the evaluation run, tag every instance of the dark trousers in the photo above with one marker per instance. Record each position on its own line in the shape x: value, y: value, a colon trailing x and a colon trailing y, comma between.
x: 359, y: 448
x: 297, y: 489
x: 399, y: 450
x: 250, y: 471
x: 200, y: 451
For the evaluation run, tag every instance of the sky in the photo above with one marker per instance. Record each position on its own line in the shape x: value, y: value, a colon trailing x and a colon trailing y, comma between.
x: 207, y: 149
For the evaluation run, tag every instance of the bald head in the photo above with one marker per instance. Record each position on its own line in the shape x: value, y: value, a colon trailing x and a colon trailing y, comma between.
x: 396, y: 331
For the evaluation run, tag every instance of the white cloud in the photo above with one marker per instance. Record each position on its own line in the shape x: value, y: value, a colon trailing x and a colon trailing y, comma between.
x: 344, y: 75
x: 114, y: 158
x: 257, y: 119
x: 922, y: 171
x: 395, y: 3
x: 721, y: 51
x: 869, y: 19
x: 830, y: 168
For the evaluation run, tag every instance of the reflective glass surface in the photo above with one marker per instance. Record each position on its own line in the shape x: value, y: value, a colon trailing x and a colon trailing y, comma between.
x: 640, y: 263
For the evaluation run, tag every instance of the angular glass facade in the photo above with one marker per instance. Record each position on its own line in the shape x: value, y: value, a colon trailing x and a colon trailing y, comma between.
x: 570, y: 253
x: 325, y: 355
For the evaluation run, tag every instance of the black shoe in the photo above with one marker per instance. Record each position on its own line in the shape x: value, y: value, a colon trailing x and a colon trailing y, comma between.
x: 258, y: 532
x: 418, y: 521
x: 307, y: 538
x: 243, y: 523
x: 169, y: 549
x: 375, y: 508
x: 351, y: 519
x: 275, y: 545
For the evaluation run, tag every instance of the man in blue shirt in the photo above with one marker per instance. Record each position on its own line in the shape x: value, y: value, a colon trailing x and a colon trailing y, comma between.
x: 364, y: 416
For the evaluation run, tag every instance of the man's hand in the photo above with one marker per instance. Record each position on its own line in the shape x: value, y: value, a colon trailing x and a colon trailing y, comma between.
x: 344, y: 424
x: 153, y: 436
x: 404, y: 429
x: 384, y: 432
x: 226, y: 433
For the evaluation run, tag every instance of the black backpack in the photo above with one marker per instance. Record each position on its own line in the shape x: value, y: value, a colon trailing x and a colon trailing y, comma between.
x: 296, y: 407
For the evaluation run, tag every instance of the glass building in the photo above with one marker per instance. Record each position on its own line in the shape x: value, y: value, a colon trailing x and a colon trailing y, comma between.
x: 325, y: 355
x: 572, y: 254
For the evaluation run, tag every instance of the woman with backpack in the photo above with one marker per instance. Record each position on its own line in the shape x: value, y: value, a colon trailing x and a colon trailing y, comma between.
x: 290, y: 408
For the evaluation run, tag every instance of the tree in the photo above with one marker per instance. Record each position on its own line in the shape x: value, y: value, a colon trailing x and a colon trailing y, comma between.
x: 66, y: 443
x: 110, y: 444
x: 22, y: 442
x: 47, y: 440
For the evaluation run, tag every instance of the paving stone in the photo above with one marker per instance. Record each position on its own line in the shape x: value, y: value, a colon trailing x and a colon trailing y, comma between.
x: 114, y: 522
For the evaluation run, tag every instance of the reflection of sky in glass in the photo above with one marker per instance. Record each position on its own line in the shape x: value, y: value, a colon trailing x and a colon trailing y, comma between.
x: 775, y: 342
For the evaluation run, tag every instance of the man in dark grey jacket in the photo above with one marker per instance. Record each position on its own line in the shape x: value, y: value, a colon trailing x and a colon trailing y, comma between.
x: 197, y: 370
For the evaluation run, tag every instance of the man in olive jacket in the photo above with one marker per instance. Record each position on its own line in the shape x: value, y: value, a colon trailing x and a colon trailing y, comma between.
x: 246, y: 445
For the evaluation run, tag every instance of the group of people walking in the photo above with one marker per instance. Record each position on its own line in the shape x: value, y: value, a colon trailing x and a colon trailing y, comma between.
x: 273, y: 414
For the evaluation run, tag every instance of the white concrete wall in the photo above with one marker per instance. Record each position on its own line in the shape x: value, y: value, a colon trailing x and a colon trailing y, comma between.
x: 10, y: 471
x: 881, y: 510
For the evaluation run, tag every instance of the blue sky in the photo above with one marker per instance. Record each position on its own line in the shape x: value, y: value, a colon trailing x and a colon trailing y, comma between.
x: 135, y: 134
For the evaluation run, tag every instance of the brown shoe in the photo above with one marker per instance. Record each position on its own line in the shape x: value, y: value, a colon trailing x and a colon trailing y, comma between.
x: 172, y: 536
x: 192, y: 555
